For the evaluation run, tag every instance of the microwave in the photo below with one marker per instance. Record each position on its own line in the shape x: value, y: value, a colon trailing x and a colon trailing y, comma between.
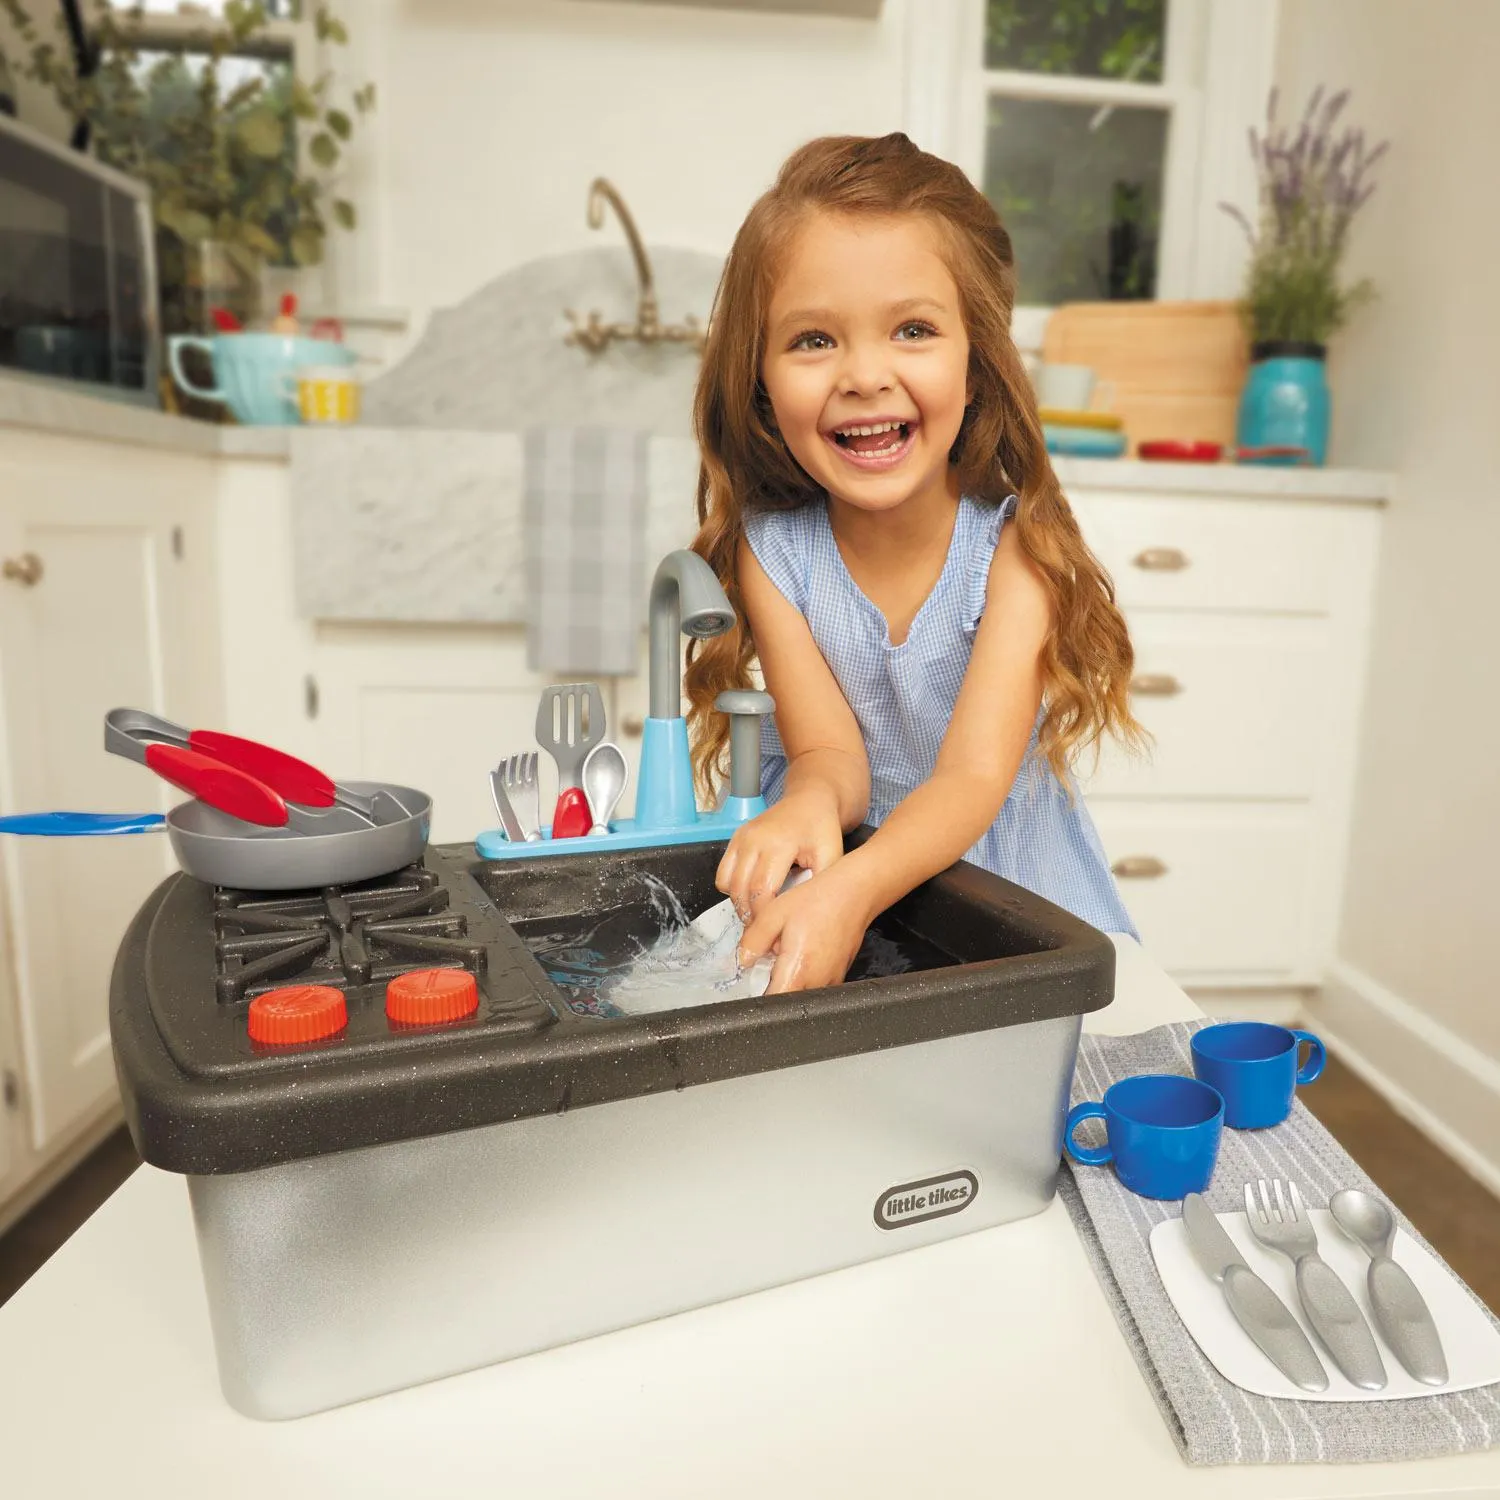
x: 78, y: 305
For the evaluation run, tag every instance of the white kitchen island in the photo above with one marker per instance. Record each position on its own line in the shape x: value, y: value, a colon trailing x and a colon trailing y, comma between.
x: 988, y: 1366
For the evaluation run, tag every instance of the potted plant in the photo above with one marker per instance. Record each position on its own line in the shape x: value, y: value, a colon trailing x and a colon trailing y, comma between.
x: 1311, y: 185
x: 239, y: 154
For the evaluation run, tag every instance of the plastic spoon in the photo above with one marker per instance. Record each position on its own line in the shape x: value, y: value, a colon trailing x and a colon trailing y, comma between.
x: 604, y: 775
x: 1400, y: 1313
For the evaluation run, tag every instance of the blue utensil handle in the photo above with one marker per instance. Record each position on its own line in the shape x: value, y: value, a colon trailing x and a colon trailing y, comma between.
x: 1090, y: 1156
x: 1316, y: 1059
x: 80, y: 824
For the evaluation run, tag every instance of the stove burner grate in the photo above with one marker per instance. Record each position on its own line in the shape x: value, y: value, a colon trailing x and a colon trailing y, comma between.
x: 341, y: 936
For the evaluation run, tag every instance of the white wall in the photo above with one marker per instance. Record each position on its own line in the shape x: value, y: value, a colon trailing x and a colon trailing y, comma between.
x: 1417, y: 388
x: 495, y: 115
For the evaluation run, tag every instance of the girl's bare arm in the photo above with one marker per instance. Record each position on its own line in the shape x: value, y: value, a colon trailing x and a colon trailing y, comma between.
x: 816, y: 928
x: 827, y: 789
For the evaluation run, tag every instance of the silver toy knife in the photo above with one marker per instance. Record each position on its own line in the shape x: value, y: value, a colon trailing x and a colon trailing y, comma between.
x: 504, y: 810
x: 1261, y: 1313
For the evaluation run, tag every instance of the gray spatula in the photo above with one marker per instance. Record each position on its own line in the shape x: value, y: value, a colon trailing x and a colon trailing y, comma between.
x: 569, y: 723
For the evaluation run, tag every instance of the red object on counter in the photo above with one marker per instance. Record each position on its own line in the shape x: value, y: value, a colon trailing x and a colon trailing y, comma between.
x: 225, y: 321
x: 1180, y: 452
x: 297, y: 1013
x: 571, y: 818
x: 427, y: 997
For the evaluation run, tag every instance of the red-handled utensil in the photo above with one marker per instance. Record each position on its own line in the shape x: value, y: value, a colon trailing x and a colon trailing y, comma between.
x: 571, y: 819
x: 225, y: 321
x: 131, y: 732
x: 241, y: 795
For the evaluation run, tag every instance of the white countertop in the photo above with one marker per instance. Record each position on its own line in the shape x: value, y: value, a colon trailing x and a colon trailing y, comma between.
x: 987, y: 1366
x: 46, y: 407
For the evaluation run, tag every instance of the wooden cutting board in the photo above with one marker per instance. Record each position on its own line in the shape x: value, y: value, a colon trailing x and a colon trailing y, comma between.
x: 1176, y: 367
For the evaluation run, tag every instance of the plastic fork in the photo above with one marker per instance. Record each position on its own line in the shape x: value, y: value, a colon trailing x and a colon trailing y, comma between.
x: 518, y: 777
x: 1283, y: 1225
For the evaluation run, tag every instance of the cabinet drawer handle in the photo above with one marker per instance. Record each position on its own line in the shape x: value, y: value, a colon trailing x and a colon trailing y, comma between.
x: 1161, y: 560
x: 25, y: 569
x: 632, y: 726
x: 1138, y: 867
x: 1155, y: 685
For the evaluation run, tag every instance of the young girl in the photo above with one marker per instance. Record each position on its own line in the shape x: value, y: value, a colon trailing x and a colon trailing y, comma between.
x: 876, y: 498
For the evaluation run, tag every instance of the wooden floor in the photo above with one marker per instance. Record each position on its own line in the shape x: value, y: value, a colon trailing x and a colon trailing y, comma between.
x: 1459, y: 1218
x: 1449, y: 1207
x: 31, y: 1240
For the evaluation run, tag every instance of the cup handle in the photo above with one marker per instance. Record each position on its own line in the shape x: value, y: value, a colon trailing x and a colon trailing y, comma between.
x: 1317, y: 1059
x: 175, y: 345
x: 1090, y: 1156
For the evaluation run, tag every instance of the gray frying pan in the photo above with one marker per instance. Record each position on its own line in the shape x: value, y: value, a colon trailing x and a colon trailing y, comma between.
x: 225, y: 850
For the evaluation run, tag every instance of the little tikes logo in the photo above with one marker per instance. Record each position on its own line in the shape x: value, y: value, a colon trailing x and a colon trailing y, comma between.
x: 931, y: 1198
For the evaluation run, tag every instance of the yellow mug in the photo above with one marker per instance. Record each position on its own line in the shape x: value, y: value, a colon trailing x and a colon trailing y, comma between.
x: 328, y: 393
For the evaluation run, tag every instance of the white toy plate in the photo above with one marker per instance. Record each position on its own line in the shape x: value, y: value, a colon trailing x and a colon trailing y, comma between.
x: 1470, y: 1341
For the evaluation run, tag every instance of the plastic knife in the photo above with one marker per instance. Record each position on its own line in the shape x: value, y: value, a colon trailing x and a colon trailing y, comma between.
x: 1259, y: 1311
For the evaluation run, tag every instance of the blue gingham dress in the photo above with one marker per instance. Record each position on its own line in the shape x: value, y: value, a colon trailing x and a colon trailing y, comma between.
x: 903, y: 698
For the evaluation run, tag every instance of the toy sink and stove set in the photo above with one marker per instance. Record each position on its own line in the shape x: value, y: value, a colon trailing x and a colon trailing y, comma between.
x: 444, y: 1164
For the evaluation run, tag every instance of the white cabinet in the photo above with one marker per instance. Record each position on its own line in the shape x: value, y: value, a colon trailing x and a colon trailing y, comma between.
x: 429, y: 707
x: 1249, y: 614
x: 106, y: 600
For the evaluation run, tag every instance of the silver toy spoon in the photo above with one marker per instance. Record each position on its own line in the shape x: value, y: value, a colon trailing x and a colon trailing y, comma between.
x: 604, y: 773
x: 1400, y: 1313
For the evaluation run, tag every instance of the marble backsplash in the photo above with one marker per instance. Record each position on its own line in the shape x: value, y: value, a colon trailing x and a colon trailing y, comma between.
x: 426, y: 526
x: 497, y: 362
x: 416, y: 514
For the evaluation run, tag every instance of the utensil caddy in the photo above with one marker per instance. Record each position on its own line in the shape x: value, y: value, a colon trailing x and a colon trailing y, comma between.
x: 401, y: 1204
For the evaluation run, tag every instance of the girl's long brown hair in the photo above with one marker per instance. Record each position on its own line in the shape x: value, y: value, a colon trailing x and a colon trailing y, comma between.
x: 1087, y: 656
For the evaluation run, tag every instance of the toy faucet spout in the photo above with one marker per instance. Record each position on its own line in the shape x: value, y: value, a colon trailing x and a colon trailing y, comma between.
x: 685, y: 598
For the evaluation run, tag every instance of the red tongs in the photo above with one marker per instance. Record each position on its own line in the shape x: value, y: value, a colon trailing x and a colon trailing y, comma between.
x: 244, y: 778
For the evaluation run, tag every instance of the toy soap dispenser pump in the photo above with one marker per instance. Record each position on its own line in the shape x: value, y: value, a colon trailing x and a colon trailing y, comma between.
x: 686, y: 598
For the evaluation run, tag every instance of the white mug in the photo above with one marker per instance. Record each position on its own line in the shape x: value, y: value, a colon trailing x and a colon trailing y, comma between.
x: 1072, y: 388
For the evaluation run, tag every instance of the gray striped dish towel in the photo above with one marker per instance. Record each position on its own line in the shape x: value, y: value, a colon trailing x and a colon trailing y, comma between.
x: 584, y: 548
x: 1212, y: 1420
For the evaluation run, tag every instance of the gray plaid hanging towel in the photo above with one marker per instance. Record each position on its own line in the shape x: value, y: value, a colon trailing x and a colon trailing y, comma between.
x: 1213, y: 1421
x: 584, y: 549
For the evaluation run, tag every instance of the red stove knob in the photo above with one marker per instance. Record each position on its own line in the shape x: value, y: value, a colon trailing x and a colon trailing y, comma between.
x: 297, y: 1013
x: 426, y: 997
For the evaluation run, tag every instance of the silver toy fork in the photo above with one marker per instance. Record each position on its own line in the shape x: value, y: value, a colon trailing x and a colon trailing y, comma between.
x: 1328, y: 1303
x: 518, y: 774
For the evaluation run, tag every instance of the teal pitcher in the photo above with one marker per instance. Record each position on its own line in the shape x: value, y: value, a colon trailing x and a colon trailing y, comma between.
x: 255, y: 374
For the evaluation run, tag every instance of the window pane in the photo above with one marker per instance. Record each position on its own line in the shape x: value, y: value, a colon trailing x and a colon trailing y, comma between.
x: 1079, y: 188
x: 1092, y: 38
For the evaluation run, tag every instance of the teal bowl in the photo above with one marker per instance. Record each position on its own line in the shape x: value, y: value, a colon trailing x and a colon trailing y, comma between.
x: 255, y: 374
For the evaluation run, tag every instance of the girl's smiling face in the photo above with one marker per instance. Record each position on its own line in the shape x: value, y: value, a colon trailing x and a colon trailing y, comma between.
x: 866, y: 359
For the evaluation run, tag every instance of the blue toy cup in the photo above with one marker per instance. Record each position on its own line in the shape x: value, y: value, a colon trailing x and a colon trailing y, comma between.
x: 1255, y: 1067
x: 1163, y: 1132
x: 255, y: 373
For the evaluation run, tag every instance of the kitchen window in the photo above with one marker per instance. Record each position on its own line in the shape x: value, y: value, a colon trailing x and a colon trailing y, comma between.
x: 1105, y: 132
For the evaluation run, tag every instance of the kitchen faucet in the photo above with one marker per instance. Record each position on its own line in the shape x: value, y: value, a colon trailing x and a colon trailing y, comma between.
x: 595, y: 335
x: 686, y: 599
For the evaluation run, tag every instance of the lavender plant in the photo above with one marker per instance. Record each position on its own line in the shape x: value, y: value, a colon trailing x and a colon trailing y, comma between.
x: 1312, y: 184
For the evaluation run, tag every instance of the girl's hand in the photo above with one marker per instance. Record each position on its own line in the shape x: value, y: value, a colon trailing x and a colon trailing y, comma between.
x: 801, y: 829
x: 814, y: 929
